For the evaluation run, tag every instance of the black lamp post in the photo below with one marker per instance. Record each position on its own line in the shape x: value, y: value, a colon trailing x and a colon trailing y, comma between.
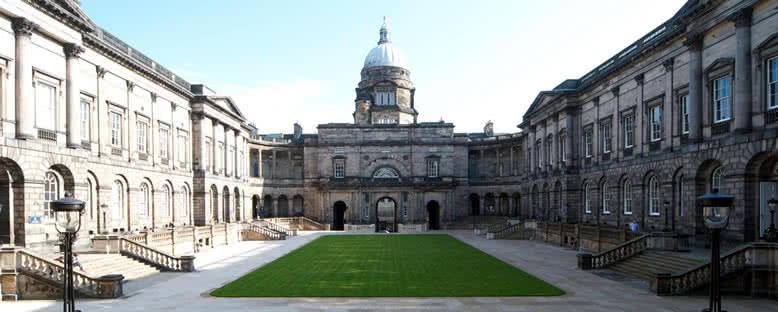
x: 715, y: 210
x: 68, y: 221
x: 772, y: 234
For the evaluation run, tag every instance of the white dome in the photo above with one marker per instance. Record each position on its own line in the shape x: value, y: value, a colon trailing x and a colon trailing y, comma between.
x: 384, y: 54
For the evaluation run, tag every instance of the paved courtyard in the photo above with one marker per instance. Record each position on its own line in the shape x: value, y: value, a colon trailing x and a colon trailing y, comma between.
x: 585, y: 291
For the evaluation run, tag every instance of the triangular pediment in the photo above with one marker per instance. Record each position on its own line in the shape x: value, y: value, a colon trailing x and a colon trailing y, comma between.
x: 67, y: 11
x: 227, y: 104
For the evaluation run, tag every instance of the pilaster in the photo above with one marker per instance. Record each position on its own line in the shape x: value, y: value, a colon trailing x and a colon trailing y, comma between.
x: 73, y: 94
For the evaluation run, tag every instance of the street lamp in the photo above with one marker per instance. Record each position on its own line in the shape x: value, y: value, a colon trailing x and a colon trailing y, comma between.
x: 772, y: 234
x: 68, y: 221
x: 715, y: 210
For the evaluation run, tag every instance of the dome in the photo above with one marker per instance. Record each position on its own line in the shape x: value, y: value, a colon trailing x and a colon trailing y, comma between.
x: 385, y: 54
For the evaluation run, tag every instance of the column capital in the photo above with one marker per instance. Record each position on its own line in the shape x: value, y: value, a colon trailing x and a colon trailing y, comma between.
x: 741, y: 17
x: 668, y: 64
x: 100, y: 71
x: 615, y: 91
x: 639, y: 78
x: 72, y: 50
x: 694, y: 41
x: 23, y: 26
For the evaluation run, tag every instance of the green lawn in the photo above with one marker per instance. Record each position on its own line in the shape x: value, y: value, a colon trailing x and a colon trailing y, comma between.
x: 386, y: 266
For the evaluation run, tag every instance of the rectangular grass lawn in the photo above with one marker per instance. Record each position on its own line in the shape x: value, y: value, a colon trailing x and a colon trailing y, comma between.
x: 386, y: 266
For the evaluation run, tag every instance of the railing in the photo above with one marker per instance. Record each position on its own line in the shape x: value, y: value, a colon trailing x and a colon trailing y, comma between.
x: 497, y: 226
x: 276, y: 227
x: 108, y: 286
x: 311, y: 224
x: 156, y: 258
x: 613, y: 255
x: 510, y: 230
x: 268, y: 233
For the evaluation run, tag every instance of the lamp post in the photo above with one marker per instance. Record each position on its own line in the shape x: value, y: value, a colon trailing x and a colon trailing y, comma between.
x: 68, y: 221
x: 715, y: 210
x: 772, y: 234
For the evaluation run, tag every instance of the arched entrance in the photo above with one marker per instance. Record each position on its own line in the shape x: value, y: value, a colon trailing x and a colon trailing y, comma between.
x: 267, y: 207
x: 238, y: 213
x: 214, y: 204
x: 226, y: 197
x: 255, y: 207
x: 386, y: 215
x: 339, y: 216
x: 298, y: 203
x: 12, y: 201
x: 475, y: 205
x: 283, y: 206
x: 433, y: 215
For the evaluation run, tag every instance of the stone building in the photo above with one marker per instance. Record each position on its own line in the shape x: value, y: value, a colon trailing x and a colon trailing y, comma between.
x: 687, y: 109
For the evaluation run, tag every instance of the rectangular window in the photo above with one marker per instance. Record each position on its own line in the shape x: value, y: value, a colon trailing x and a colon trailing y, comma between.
x: 605, y: 137
x: 181, y: 147
x: 562, y: 148
x: 772, y: 82
x: 588, y: 142
x: 432, y: 168
x: 385, y: 98
x: 84, y: 120
x: 655, y: 119
x: 627, y: 198
x: 240, y: 165
x: 45, y: 105
x: 722, y: 94
x: 140, y: 128
x: 231, y: 161
x: 629, y: 131
x: 539, y: 154
x: 339, y: 168
x: 116, y: 129
x: 549, y: 148
x: 164, y: 138
x: 207, y: 158
x: 684, y: 102
x: 218, y: 165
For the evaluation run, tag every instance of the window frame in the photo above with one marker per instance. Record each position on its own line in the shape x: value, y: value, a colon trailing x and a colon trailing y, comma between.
x: 433, y: 167
x: 339, y: 167
x: 683, y: 103
x: 716, y: 101
x: 654, y: 125
x: 588, y: 144
x: 629, y: 130
x: 54, y: 85
x: 587, y: 198
x: 86, y: 123
x: 605, y: 136
x: 141, y: 135
x: 715, y: 180
x: 627, y: 195
x: 653, y: 197
x: 164, y: 142
x: 51, y: 191
x: 144, y: 200
x: 562, y: 147
x: 116, y: 117
x: 772, y: 102
x: 604, y: 199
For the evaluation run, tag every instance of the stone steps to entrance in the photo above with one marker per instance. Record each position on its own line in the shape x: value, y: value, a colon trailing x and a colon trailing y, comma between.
x: 104, y: 264
x: 644, y: 266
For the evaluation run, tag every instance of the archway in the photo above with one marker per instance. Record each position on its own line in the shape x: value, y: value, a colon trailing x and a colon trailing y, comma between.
x: 339, y: 216
x: 267, y: 207
x: 386, y: 215
x: 298, y: 204
x: 761, y: 185
x: 475, y: 205
x: 433, y: 215
x: 283, y: 206
x: 12, y: 201
x: 226, y: 193
x: 237, y: 205
x: 214, y: 203
x: 489, y: 203
x: 255, y: 207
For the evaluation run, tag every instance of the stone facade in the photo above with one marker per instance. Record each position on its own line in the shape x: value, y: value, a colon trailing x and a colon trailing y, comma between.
x: 636, y: 140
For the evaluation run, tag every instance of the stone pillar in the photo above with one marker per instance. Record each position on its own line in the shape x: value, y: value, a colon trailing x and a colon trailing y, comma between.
x: 226, y: 151
x: 667, y: 108
x: 531, y: 150
x: 275, y: 208
x: 73, y: 94
x: 273, y: 168
x: 498, y: 169
x: 513, y: 171
x: 639, y: 118
x: 25, y: 104
x: 214, y: 147
x: 743, y: 99
x: 259, y: 170
x: 236, y: 158
x: 694, y: 44
x: 570, y: 152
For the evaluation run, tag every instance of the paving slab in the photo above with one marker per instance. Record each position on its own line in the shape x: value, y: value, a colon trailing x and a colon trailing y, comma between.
x: 556, y: 265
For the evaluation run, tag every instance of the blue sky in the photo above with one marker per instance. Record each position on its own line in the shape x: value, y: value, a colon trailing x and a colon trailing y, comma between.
x: 471, y: 61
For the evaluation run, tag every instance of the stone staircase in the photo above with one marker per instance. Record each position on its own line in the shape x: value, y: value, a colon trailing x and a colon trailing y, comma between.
x: 644, y: 265
x: 104, y: 264
x: 466, y: 222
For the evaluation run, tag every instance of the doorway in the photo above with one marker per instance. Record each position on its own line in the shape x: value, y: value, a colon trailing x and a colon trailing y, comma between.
x: 386, y: 215
x: 433, y: 215
x: 339, y: 216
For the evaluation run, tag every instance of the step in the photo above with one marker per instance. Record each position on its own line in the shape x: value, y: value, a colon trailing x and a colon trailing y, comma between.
x: 658, y: 265
x: 672, y: 257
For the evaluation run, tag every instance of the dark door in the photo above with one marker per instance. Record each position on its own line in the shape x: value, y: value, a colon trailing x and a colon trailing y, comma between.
x: 433, y: 213
x: 475, y: 205
x: 339, y: 218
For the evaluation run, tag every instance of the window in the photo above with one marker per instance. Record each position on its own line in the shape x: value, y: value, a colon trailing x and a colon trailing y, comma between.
x: 539, y: 154
x: 681, y: 203
x: 164, y: 138
x: 655, y: 120
x: 605, y: 137
x: 627, y: 197
x: 386, y: 121
x: 629, y: 131
x: 604, y: 199
x: 549, y: 148
x: 587, y: 199
x: 240, y: 164
x: 143, y: 200
x: 715, y: 185
x: 84, y: 114
x: 588, y: 141
x: 339, y: 168
x: 721, y: 99
x: 207, y: 158
x: 45, y: 105
x: 164, y: 201
x: 218, y: 164
x: 181, y: 148
x: 183, y: 202
x: 116, y: 129
x: 653, y: 197
x: 384, y: 98
x: 562, y: 147
x: 772, y: 82
x: 117, y: 199
x: 433, y: 167
x: 684, y: 102
x: 141, y: 128
x: 50, y: 193
x: 231, y: 161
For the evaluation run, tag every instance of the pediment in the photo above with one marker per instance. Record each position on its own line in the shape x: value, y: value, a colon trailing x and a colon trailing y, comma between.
x: 68, y: 11
x: 227, y: 104
x: 769, y: 42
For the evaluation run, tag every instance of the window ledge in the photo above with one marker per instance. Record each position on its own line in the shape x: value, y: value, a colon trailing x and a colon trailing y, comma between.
x: 654, y: 214
x: 627, y: 213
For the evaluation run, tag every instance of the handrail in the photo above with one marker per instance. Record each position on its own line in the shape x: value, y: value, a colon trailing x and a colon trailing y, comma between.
x: 495, y: 227
x: 505, y: 232
x: 108, y: 286
x: 154, y: 257
x: 689, y: 280
x: 605, y: 258
x: 273, y: 235
x: 313, y: 223
x: 276, y: 227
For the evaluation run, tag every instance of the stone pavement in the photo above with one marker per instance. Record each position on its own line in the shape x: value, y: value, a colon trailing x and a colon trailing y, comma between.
x: 585, y: 291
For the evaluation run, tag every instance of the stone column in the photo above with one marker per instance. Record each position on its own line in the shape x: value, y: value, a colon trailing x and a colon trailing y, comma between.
x: 236, y: 158
x: 273, y: 169
x: 25, y: 104
x: 226, y: 151
x: 531, y: 150
x: 259, y: 170
x: 668, y: 116
x: 73, y: 94
x: 743, y: 99
x: 694, y: 44
x: 498, y: 169
x: 639, y: 118
x: 173, y: 140
x: 513, y: 172
x: 570, y: 152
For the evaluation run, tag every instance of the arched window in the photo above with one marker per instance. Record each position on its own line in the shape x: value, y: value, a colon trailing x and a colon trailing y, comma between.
x: 90, y: 201
x: 627, y: 197
x: 604, y: 198
x: 143, y: 200
x: 117, y: 199
x: 386, y: 172
x: 715, y: 185
x: 50, y: 193
x: 653, y: 197
x: 164, y: 202
x: 587, y: 199
x: 183, y: 202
